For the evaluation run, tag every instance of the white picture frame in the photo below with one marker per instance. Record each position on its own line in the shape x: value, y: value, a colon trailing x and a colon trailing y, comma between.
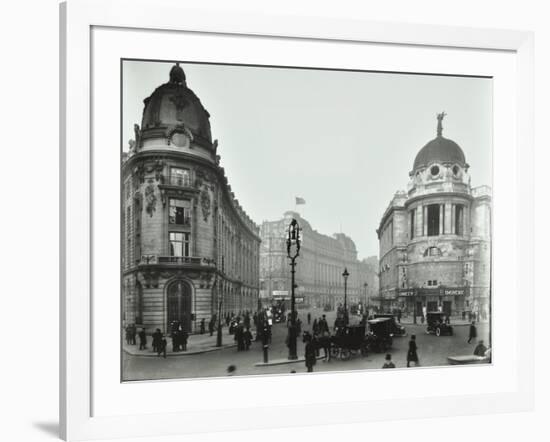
x: 79, y: 418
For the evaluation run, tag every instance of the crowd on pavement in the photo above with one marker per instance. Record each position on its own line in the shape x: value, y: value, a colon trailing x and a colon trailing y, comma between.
x: 316, y: 338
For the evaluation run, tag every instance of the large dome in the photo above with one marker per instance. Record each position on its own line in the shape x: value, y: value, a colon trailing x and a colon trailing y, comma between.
x: 440, y: 150
x: 172, y: 105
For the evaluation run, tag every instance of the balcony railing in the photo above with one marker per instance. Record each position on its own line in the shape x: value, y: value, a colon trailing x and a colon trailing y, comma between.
x: 177, y: 180
x: 189, y: 260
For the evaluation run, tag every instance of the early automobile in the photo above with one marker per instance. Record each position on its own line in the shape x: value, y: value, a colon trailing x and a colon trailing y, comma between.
x: 397, y: 329
x: 380, y: 336
x: 348, y: 341
x: 438, y: 324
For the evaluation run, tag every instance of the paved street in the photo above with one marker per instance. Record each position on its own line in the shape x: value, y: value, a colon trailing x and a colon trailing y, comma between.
x: 432, y: 351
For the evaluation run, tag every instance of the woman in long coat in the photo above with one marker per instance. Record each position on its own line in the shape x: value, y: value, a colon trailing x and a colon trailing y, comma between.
x: 412, y: 355
x: 311, y: 358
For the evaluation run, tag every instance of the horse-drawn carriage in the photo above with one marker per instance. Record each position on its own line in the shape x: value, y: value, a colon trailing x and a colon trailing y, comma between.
x: 348, y: 341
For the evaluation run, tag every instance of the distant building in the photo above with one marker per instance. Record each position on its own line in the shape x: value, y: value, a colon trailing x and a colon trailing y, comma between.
x: 435, y: 239
x: 319, y: 267
x: 187, y: 244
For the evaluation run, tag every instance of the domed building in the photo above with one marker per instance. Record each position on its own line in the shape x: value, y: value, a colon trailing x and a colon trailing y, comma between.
x: 189, y: 250
x: 434, y: 238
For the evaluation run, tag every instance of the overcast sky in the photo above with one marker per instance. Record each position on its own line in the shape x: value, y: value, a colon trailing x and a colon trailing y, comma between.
x: 343, y: 141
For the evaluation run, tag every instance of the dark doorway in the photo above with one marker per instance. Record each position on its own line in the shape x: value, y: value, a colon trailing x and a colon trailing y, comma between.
x: 447, y: 307
x: 179, y: 304
x: 432, y: 306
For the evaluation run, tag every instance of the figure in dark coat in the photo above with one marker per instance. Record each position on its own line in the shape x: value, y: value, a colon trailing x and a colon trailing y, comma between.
x: 211, y: 325
x: 412, y: 355
x: 203, y: 326
x: 480, y: 349
x: 311, y: 359
x: 157, y: 338
x: 247, y: 339
x: 473, y: 332
x: 142, y: 339
x: 161, y: 349
x: 308, y: 318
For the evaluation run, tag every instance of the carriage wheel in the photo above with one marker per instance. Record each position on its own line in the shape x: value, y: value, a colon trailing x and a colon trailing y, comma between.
x: 334, y: 351
x: 364, y: 351
x: 346, y: 354
x: 438, y: 331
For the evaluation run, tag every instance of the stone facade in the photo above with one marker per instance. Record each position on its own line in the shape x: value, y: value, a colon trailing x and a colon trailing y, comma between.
x: 187, y: 245
x: 435, y: 239
x: 319, y: 267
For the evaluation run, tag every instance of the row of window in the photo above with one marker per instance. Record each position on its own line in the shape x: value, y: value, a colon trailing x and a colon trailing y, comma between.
x: 436, y: 220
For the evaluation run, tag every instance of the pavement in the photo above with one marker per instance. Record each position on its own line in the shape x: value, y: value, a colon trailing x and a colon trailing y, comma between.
x: 196, y: 344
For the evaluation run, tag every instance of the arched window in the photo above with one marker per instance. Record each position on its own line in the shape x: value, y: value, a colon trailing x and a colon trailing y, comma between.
x: 179, y: 304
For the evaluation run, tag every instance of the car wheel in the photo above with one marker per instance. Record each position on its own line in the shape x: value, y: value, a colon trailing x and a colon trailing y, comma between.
x: 438, y: 331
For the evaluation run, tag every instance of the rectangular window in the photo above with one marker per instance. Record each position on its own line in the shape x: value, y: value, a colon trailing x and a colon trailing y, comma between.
x: 412, y: 215
x: 459, y: 219
x: 180, y: 244
x: 180, y: 177
x: 179, y: 212
x: 433, y: 220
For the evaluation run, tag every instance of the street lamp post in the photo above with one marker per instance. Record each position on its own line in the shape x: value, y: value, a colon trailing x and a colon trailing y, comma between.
x: 366, y: 284
x: 293, y: 251
x: 345, y: 275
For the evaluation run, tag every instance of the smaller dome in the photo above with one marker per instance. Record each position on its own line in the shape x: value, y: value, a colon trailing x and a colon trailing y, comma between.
x: 439, y: 150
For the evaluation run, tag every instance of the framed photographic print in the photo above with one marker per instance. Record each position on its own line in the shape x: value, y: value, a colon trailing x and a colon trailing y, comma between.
x: 254, y: 206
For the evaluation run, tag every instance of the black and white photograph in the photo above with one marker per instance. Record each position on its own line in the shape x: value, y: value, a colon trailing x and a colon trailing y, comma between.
x: 281, y: 220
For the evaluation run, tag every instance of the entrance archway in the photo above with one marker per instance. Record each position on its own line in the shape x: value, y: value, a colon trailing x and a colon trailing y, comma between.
x: 179, y: 304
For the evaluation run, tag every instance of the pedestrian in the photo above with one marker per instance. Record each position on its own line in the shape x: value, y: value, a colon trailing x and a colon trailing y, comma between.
x: 142, y: 339
x: 211, y: 325
x: 133, y: 334
x: 161, y: 349
x: 388, y: 363
x: 463, y: 315
x: 311, y: 359
x: 247, y: 339
x: 184, y: 336
x: 480, y: 349
x: 308, y: 318
x: 175, y: 341
x: 239, y: 337
x: 399, y: 315
x: 315, y: 327
x: 473, y: 331
x: 157, y: 338
x: 412, y: 355
x: 202, y: 326
x: 128, y: 334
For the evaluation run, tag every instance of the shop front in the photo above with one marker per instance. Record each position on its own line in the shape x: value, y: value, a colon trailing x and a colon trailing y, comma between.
x: 449, y: 300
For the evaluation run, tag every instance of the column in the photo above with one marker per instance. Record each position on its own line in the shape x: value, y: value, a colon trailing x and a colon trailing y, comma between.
x: 418, y: 221
x: 441, y: 218
x: 453, y: 218
x: 448, y: 218
x: 425, y: 220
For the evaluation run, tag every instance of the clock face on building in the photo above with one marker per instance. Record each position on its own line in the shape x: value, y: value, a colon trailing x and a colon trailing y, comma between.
x: 180, y: 140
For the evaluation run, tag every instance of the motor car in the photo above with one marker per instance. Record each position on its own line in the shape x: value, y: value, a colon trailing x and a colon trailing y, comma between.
x: 437, y: 324
x: 397, y: 329
x: 380, y: 336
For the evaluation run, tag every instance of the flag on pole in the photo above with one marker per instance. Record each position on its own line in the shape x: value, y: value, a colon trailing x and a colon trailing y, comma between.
x: 300, y: 200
